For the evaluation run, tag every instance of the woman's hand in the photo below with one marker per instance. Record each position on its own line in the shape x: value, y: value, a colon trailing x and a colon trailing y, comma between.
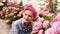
x: 34, y: 32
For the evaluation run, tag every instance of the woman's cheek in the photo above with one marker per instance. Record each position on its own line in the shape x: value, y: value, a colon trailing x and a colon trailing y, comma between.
x: 30, y: 18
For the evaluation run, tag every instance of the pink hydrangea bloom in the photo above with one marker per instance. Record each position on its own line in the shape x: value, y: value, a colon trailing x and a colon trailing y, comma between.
x: 11, y: 14
x: 17, y: 9
x: 46, y: 13
x: 50, y: 14
x: 5, y: 9
x: 14, y: 17
x: 19, y: 15
x: 55, y: 19
x: 57, y: 26
x: 46, y: 24
x: 7, y: 21
x: 2, y: 16
x: 40, y: 32
x: 11, y: 1
x: 48, y: 0
x: 1, y: 13
x: 40, y: 19
x: 37, y: 26
x: 13, y: 8
x: 15, y: 12
x: 3, y: 0
x: 9, y: 7
x: 13, y: 22
x: 1, y: 4
x: 51, y: 31
x: 41, y: 12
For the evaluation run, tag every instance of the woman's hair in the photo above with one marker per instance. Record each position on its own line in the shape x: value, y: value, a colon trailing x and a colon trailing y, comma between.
x: 30, y: 7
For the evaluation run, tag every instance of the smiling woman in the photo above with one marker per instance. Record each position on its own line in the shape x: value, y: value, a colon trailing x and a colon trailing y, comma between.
x: 28, y: 16
x: 24, y: 25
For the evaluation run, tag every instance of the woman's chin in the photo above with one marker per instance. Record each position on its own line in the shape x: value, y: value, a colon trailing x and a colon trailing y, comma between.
x: 26, y: 21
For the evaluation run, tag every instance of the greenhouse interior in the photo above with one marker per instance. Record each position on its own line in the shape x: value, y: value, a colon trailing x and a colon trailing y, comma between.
x: 46, y: 20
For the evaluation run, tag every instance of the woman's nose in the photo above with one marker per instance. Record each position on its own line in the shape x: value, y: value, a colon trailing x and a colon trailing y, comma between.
x: 26, y: 17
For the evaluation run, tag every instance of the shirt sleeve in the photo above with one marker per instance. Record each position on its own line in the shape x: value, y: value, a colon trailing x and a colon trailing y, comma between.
x: 14, y: 29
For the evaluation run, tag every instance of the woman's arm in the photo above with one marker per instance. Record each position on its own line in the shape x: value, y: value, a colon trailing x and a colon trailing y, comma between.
x: 14, y: 29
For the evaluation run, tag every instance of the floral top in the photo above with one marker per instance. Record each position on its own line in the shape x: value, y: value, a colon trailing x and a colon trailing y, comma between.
x: 19, y: 28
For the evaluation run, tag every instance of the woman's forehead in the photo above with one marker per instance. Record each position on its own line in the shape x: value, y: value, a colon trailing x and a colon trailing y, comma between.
x: 28, y: 12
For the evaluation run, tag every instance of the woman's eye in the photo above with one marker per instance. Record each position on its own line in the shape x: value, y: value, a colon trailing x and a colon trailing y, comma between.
x: 30, y: 16
x: 25, y: 14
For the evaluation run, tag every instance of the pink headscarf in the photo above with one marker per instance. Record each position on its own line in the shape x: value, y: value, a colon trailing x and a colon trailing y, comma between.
x: 30, y: 7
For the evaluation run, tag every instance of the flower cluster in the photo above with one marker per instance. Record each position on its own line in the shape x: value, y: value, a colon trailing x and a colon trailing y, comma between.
x: 47, y: 26
x: 10, y: 14
x: 46, y: 14
x: 47, y: 23
x: 13, y: 14
x: 10, y: 10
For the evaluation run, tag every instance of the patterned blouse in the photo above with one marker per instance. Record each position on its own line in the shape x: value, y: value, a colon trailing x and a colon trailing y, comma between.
x: 19, y: 27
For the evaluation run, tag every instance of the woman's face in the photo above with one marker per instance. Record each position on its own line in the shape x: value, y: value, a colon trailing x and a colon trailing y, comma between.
x: 28, y: 16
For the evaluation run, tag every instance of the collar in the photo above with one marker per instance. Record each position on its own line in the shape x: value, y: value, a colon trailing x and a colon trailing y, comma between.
x: 23, y: 24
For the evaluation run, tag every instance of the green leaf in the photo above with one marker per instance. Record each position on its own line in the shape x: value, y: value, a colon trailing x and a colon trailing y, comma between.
x: 5, y: 4
x: 1, y: 8
x: 47, y: 17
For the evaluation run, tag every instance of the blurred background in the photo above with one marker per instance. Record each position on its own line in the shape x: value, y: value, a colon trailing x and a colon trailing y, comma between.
x: 10, y: 11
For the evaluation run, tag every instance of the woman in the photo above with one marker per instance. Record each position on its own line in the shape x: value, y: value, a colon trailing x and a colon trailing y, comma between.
x: 24, y: 25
